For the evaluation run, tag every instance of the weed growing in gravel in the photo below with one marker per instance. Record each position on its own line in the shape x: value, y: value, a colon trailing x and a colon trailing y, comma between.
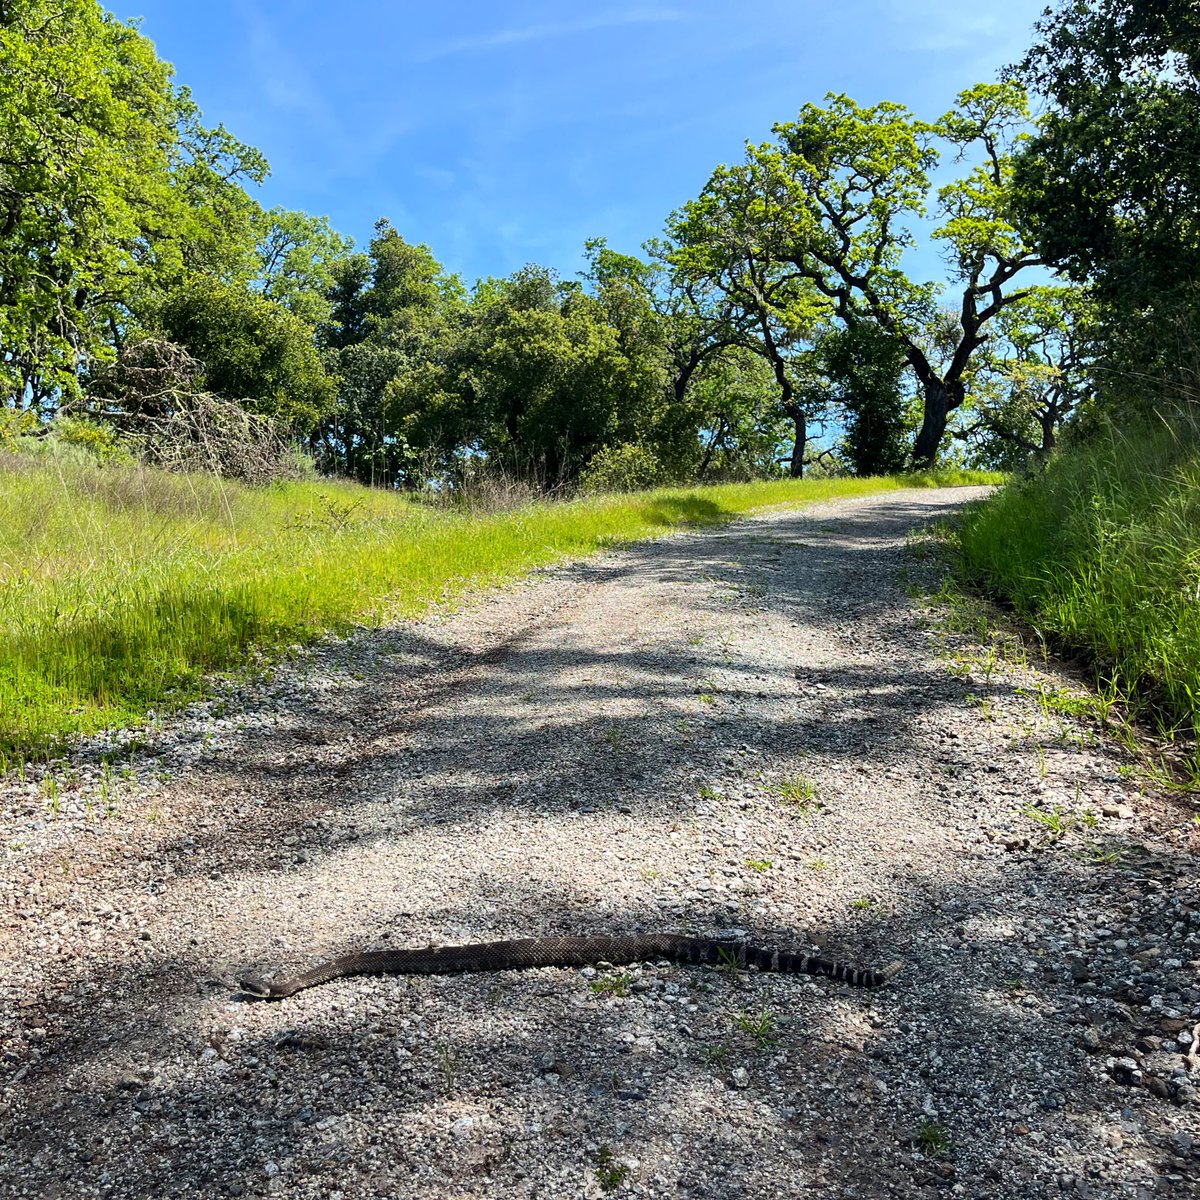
x: 610, y: 1172
x: 760, y: 1026
x: 800, y: 792
x: 817, y: 864
x: 107, y: 790
x: 1061, y: 701
x: 447, y: 1061
x: 706, y: 698
x: 709, y: 795
x: 759, y: 864
x: 1058, y: 821
x: 611, y: 985
x: 727, y: 961
x: 51, y: 794
x: 933, y: 1140
x: 717, y: 1053
x: 1101, y: 856
x: 127, y: 749
x: 615, y: 738
x: 863, y: 903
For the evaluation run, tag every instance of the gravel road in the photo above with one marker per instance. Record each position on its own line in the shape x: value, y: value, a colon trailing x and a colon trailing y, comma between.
x: 766, y: 729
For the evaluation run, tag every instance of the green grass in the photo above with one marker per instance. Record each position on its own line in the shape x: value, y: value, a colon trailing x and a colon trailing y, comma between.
x: 121, y: 588
x: 1101, y: 554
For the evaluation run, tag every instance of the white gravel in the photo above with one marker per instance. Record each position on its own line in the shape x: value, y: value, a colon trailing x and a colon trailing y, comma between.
x: 756, y: 729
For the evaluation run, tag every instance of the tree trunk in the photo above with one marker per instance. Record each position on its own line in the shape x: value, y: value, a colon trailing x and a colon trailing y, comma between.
x: 683, y: 377
x: 800, y: 421
x: 938, y: 403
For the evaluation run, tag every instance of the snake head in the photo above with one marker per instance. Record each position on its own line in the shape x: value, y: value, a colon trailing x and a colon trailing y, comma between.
x: 258, y: 988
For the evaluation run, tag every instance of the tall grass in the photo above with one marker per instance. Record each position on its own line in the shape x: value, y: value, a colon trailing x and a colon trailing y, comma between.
x: 1102, y: 554
x: 121, y: 587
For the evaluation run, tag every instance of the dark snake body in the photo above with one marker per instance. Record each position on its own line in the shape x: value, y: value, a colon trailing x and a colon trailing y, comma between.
x: 567, y: 952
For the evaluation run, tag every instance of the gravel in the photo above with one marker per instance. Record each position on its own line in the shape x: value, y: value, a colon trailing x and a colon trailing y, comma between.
x: 758, y: 731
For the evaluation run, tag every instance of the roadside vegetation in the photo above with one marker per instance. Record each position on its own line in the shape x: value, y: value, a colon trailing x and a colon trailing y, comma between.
x: 121, y: 586
x: 1100, y: 550
x: 1101, y: 554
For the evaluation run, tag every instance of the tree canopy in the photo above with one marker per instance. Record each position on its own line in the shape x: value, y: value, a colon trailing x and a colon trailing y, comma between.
x: 1110, y: 185
x: 778, y: 304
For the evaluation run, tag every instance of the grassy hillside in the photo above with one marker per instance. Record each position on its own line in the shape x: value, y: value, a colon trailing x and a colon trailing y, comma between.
x: 121, y: 587
x: 1102, y: 554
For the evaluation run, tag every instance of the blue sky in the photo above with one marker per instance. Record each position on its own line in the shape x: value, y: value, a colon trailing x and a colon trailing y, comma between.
x: 508, y: 133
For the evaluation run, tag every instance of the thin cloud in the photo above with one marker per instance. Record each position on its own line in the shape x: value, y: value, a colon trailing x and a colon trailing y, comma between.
x: 548, y: 30
x: 940, y: 26
x: 283, y: 80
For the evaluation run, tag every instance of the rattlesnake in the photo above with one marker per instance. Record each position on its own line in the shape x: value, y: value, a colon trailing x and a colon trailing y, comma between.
x: 566, y: 952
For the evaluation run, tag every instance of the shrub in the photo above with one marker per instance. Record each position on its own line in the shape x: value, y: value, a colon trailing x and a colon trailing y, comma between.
x: 627, y: 468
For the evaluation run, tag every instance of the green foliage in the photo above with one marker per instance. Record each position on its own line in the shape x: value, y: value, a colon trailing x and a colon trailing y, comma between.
x: 1112, y: 180
x: 299, y: 257
x: 734, y: 401
x: 865, y: 366
x: 1101, y: 552
x: 251, y: 348
x: 1034, y: 375
x: 361, y: 436
x: 842, y: 185
x: 623, y: 468
x: 533, y: 376
x: 110, y: 191
x: 1110, y: 186
x: 728, y: 241
x: 396, y: 339
x: 86, y: 104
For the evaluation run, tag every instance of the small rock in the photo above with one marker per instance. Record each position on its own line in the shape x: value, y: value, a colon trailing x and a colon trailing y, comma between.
x: 463, y: 1127
x: 739, y: 1077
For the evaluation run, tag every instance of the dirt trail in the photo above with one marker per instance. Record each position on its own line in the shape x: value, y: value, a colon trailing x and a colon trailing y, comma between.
x: 756, y: 729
